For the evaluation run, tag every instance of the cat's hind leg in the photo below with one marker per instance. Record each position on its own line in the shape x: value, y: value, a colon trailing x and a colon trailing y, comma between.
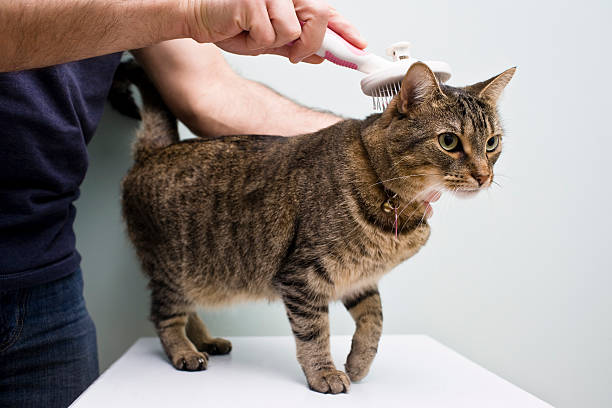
x: 170, y: 314
x: 366, y: 310
x: 201, y: 338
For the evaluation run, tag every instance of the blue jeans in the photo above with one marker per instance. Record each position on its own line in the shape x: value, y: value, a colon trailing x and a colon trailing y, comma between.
x: 48, y: 350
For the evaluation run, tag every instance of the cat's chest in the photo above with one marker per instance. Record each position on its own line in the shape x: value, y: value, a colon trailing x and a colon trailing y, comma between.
x: 365, y: 258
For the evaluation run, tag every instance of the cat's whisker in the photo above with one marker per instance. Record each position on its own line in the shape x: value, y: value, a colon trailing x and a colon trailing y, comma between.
x: 408, y: 219
x: 398, y: 162
x: 405, y: 207
x: 420, y: 195
x: 403, y: 177
x: 417, y: 197
x: 403, y: 159
x: 422, y: 218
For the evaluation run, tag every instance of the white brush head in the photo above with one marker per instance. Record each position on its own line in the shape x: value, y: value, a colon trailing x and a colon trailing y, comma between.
x: 383, y: 84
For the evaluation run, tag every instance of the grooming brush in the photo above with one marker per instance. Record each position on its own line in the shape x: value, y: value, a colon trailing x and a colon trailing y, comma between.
x: 384, y: 77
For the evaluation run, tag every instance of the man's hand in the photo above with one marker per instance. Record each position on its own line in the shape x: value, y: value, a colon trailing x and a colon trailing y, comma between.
x: 291, y: 28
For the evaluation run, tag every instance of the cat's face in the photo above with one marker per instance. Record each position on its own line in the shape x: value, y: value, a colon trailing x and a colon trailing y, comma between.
x: 447, y: 138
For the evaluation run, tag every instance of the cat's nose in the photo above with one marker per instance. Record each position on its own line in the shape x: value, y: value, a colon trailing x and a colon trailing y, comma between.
x: 481, y: 178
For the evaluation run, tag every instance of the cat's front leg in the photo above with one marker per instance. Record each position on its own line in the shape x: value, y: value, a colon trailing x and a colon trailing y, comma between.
x: 308, y: 316
x: 366, y: 310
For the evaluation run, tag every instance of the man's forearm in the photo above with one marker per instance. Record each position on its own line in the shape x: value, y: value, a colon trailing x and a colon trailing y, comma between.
x: 37, y: 33
x: 203, y: 91
x: 241, y: 106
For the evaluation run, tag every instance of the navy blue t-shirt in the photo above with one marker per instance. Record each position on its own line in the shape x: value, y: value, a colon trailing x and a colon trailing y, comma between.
x: 47, y: 116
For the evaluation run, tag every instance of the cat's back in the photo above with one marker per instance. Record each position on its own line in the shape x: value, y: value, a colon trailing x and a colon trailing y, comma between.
x: 208, y: 164
x: 214, y: 153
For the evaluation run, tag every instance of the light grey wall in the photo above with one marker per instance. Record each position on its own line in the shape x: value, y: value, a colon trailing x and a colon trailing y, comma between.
x: 517, y: 279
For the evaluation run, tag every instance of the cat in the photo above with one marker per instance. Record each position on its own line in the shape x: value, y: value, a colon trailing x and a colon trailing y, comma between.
x: 306, y: 220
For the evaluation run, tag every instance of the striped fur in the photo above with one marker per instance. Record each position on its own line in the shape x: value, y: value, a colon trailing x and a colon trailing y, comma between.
x: 300, y: 219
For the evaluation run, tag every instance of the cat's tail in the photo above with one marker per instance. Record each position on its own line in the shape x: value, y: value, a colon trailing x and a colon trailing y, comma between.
x: 159, y: 128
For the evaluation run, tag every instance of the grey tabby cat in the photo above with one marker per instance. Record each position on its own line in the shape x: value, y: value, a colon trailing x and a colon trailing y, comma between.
x: 308, y: 219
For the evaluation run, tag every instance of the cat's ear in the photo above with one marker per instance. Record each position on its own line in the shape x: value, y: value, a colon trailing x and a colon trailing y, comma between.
x: 419, y: 85
x: 491, y: 89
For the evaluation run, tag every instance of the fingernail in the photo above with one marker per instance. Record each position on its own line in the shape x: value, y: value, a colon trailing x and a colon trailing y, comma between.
x: 434, y: 196
x: 428, y: 211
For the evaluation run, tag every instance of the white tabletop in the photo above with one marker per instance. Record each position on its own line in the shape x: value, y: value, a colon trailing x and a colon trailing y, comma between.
x: 413, y: 370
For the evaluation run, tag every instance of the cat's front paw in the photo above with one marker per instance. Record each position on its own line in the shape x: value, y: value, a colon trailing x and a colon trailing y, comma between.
x: 190, y: 361
x: 330, y: 381
x: 359, y: 361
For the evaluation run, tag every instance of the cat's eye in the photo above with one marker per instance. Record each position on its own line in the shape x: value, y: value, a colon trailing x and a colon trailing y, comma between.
x: 448, y: 141
x: 492, y: 143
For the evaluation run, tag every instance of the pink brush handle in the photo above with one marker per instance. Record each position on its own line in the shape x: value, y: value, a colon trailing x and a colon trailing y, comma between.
x: 339, y: 51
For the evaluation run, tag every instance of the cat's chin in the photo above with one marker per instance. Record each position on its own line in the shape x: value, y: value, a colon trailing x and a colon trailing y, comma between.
x: 466, y: 193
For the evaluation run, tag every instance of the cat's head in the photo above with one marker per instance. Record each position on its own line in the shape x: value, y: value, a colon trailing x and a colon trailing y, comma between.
x: 441, y: 137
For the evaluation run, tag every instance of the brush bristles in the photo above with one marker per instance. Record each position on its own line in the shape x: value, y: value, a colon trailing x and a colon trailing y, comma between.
x: 382, y: 96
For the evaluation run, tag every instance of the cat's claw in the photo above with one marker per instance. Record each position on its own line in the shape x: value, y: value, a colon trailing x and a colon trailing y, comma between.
x: 329, y: 382
x: 192, y: 361
x: 201, y: 363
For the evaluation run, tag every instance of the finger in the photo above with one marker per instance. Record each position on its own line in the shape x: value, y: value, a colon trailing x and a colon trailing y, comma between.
x: 282, y: 51
x: 238, y: 45
x: 433, y: 196
x: 428, y: 211
x: 313, y: 59
x: 314, y: 16
x: 260, y: 31
x: 284, y: 22
x: 285, y: 50
x: 345, y: 29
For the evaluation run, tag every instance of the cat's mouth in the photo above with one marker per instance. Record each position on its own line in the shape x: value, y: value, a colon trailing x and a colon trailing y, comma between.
x: 465, y: 188
x: 467, y: 191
